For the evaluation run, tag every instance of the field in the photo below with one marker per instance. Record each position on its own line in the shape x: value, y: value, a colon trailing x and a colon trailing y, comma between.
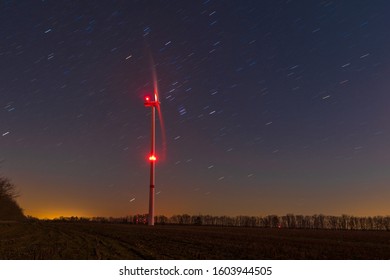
x: 47, y: 240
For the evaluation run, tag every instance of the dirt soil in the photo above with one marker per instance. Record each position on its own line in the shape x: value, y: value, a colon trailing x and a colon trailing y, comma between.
x: 80, y: 241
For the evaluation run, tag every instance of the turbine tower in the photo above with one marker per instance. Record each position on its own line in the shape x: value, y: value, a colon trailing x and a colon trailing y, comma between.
x: 152, y: 156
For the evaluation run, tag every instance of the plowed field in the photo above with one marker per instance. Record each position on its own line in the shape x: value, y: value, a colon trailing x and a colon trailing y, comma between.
x: 46, y: 240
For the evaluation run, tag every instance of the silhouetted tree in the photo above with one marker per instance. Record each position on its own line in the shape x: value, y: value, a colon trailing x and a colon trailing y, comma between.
x: 9, y: 208
x: 318, y: 221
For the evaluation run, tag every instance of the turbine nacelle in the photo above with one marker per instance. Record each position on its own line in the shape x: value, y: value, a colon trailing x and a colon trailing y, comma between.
x: 151, y: 103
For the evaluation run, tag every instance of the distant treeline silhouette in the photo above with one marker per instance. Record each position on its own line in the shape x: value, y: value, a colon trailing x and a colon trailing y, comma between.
x: 343, y: 222
x: 9, y: 208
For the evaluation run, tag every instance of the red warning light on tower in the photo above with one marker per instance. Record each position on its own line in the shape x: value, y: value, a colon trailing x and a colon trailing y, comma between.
x: 149, y: 103
x: 152, y: 158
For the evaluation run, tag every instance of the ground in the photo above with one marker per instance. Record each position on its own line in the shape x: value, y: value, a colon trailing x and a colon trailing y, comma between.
x: 48, y: 240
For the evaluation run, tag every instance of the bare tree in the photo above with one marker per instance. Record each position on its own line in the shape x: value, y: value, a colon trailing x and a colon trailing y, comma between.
x: 9, y: 208
x: 7, y: 189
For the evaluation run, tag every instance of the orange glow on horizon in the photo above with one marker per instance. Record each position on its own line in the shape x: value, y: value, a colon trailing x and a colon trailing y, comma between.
x: 57, y: 214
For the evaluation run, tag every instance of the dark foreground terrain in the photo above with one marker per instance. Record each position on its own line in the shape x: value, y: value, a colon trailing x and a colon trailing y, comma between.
x: 45, y: 240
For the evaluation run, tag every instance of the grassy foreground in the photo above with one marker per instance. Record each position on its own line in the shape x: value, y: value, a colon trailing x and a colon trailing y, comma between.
x: 46, y: 240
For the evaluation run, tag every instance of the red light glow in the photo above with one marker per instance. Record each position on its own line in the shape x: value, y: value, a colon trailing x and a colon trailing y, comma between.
x: 147, y: 98
x: 152, y: 158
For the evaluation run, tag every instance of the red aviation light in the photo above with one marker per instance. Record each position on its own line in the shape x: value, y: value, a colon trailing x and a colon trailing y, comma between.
x: 149, y: 103
x: 152, y: 158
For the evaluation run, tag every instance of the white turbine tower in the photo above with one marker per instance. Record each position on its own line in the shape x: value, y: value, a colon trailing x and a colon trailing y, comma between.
x: 153, y: 104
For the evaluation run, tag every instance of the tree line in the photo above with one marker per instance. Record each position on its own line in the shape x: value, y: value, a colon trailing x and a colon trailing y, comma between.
x: 343, y: 222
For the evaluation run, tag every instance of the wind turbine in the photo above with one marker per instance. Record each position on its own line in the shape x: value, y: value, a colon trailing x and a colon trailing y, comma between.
x: 153, y: 104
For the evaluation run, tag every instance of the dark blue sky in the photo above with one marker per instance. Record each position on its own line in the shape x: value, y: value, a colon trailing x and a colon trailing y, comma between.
x: 269, y: 106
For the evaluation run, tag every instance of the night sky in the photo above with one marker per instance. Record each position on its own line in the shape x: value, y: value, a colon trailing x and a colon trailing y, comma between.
x: 270, y: 107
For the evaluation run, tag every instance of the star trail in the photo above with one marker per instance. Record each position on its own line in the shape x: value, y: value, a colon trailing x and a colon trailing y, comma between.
x: 270, y: 107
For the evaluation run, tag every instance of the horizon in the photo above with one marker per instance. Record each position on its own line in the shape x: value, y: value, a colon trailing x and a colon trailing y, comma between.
x: 195, y: 215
